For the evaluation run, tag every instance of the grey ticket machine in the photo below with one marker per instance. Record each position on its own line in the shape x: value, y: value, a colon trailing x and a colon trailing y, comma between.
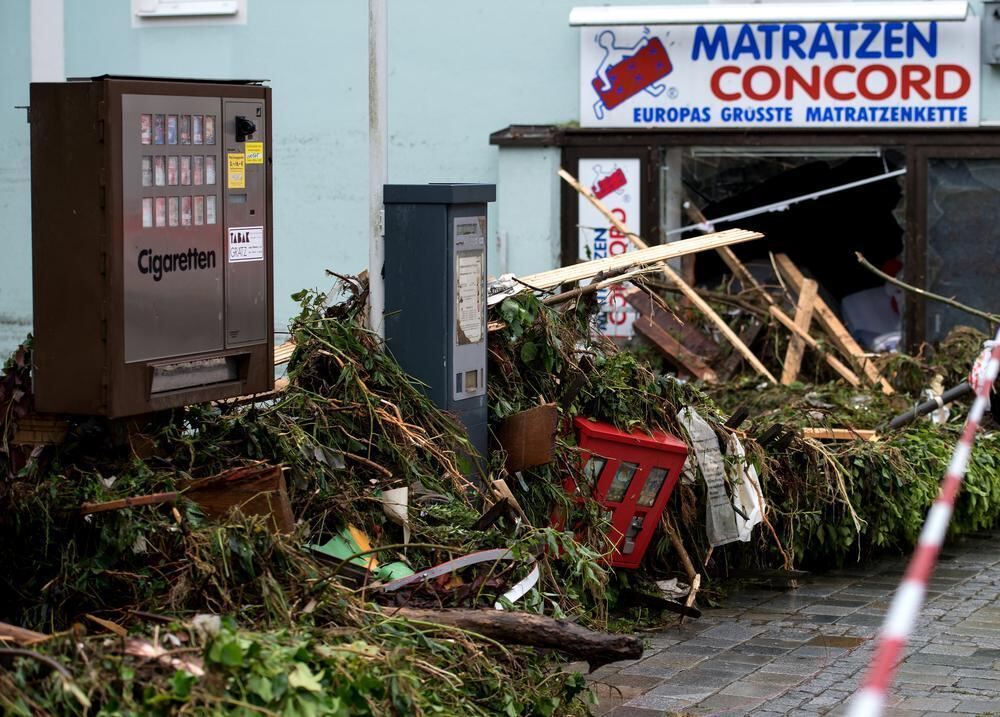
x: 435, y: 293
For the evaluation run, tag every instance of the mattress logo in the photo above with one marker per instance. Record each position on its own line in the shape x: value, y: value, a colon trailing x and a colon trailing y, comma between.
x: 626, y: 70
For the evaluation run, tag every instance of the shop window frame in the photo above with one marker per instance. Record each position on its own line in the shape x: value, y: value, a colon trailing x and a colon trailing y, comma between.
x: 918, y: 145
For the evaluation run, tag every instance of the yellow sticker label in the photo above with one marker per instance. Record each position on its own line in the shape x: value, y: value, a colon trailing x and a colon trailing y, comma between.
x: 254, y: 152
x: 237, y: 178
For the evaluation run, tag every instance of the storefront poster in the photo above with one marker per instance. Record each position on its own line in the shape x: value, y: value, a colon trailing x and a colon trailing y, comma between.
x: 834, y: 75
x: 616, y: 183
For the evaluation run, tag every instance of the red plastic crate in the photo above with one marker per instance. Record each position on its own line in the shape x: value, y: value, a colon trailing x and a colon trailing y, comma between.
x: 634, y: 475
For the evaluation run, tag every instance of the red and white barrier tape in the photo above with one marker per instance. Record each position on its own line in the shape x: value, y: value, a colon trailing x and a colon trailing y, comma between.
x: 906, y: 604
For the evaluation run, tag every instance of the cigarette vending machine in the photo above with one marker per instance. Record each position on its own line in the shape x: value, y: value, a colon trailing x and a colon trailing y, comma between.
x: 151, y: 243
x: 435, y: 293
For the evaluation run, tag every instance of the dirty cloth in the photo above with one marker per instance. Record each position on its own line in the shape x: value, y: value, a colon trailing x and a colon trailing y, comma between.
x: 747, y: 496
x: 720, y: 518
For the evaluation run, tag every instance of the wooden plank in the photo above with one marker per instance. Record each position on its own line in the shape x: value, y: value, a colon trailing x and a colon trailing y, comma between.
x: 834, y: 363
x: 692, y: 339
x: 839, y: 334
x: 279, y: 387
x: 740, y: 271
x: 693, y: 296
x: 837, y: 365
x: 20, y: 635
x: 255, y: 490
x: 41, y: 430
x: 732, y: 362
x: 649, y: 255
x: 283, y: 353
x: 673, y: 350
x: 797, y: 345
x: 737, y: 267
x: 645, y: 255
x: 132, y: 502
x: 840, y: 434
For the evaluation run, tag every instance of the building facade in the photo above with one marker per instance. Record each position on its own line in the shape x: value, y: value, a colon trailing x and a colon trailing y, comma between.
x: 459, y: 70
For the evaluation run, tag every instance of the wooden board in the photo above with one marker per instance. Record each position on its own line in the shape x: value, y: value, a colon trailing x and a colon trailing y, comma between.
x: 839, y: 434
x: 797, y: 345
x: 672, y: 276
x: 640, y: 257
x: 834, y: 363
x: 673, y: 350
x: 256, y: 490
x: 283, y: 353
x: 693, y: 340
x: 727, y: 369
x: 839, y: 334
x: 41, y: 430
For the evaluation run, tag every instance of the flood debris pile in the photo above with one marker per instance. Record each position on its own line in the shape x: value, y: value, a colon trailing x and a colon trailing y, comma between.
x: 837, y: 485
x: 334, y: 549
x: 160, y: 608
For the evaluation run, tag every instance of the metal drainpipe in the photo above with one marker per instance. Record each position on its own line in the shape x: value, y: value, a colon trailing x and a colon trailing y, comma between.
x: 378, y: 158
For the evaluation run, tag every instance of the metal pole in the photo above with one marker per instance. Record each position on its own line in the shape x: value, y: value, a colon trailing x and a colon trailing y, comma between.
x: 378, y: 158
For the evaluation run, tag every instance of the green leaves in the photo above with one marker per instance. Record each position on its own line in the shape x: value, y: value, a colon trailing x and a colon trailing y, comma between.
x: 302, y: 678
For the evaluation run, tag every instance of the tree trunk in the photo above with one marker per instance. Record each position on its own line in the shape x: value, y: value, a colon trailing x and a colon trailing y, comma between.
x: 597, y: 648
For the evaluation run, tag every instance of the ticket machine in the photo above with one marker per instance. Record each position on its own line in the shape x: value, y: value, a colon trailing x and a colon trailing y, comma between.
x: 435, y: 293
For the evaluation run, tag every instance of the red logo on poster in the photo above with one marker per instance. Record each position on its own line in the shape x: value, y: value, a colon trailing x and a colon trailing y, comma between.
x: 611, y: 183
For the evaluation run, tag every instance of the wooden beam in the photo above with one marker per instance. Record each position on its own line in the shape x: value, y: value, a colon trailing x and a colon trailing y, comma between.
x: 674, y: 350
x: 839, y: 334
x: 797, y: 345
x: 749, y: 334
x: 283, y: 353
x: 737, y: 267
x: 20, y: 635
x: 836, y: 364
x: 652, y: 306
x: 650, y: 255
x: 693, y: 296
x: 41, y: 430
x: 839, y: 434
x: 741, y: 272
x: 132, y: 502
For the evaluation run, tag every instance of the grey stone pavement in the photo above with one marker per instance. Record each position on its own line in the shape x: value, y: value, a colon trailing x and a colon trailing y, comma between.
x: 804, y: 651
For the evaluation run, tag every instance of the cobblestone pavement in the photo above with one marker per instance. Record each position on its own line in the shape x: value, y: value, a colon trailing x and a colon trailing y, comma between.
x: 803, y: 652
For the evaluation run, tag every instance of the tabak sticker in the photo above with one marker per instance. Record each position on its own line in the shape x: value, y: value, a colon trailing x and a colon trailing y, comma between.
x: 616, y: 183
x: 245, y: 244
x: 818, y: 75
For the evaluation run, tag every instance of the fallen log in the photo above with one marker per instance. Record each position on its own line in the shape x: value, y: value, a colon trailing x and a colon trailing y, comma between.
x: 521, y: 628
x: 20, y: 635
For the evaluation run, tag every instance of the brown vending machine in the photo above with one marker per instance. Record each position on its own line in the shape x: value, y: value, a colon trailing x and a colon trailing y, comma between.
x: 151, y: 243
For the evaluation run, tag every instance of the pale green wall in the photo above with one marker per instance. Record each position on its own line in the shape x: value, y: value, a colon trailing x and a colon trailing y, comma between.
x: 459, y: 69
x: 15, y: 196
x: 527, y: 236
